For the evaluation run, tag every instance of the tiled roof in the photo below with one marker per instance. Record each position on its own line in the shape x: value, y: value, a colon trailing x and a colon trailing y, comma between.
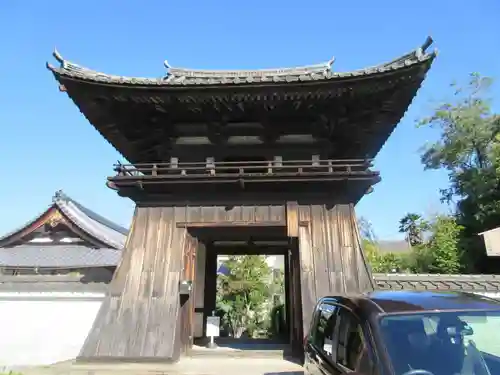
x: 472, y: 283
x: 189, y: 77
x: 105, y: 231
x: 45, y: 283
x: 92, y: 223
x: 58, y: 256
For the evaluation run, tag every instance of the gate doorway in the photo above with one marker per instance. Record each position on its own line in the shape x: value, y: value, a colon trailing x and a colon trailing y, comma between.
x: 279, y: 326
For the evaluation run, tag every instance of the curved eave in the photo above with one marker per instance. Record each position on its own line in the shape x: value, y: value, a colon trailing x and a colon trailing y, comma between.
x: 183, y: 78
x: 27, y: 227
x: 89, y: 222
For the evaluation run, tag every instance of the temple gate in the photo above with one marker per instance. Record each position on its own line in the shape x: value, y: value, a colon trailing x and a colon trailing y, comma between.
x: 255, y: 156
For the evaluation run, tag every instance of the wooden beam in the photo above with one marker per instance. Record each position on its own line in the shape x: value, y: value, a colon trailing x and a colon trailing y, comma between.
x: 232, y: 224
x: 292, y: 219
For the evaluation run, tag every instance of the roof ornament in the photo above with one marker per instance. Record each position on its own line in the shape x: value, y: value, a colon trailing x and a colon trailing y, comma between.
x: 58, y: 56
x: 58, y: 195
x: 428, y: 42
x: 168, y: 67
x: 420, y: 52
x: 59, y: 59
x: 330, y: 62
x: 328, y: 67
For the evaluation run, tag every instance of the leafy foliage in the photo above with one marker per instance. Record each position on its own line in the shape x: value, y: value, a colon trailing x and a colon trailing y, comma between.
x: 414, y: 227
x: 381, y: 262
x: 243, y: 292
x: 440, y: 253
x: 469, y: 150
x: 366, y: 230
x: 278, y: 323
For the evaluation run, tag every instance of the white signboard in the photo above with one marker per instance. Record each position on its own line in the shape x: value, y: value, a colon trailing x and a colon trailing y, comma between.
x: 492, y: 242
x: 327, y: 346
x: 213, y: 326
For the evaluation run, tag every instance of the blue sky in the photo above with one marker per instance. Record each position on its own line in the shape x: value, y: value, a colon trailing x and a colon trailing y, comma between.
x: 46, y: 144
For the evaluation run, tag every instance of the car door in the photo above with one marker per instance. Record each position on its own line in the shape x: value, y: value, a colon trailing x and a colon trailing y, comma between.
x: 354, y: 352
x: 319, y: 343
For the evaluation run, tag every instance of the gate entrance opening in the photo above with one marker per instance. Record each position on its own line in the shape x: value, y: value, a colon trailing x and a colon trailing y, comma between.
x: 226, y: 270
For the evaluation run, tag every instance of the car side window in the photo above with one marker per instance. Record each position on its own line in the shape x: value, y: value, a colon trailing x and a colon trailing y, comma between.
x: 352, y: 349
x: 323, y: 332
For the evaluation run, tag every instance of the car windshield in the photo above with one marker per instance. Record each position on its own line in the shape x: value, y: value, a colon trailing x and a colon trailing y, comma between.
x: 443, y: 343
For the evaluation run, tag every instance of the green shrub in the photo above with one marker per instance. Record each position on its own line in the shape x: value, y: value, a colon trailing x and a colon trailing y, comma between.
x: 278, y: 323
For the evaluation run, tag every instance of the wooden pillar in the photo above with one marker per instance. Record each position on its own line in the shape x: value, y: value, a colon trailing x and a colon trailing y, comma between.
x: 288, y: 307
x: 188, y: 300
x: 210, y: 284
x: 292, y: 226
x: 296, y: 330
x: 199, y: 292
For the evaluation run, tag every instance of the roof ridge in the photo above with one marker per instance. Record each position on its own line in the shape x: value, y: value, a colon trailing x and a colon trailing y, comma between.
x: 61, y: 196
x: 184, y: 76
x: 206, y: 73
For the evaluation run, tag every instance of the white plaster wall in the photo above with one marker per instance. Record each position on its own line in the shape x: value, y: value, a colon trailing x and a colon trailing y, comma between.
x: 44, y: 328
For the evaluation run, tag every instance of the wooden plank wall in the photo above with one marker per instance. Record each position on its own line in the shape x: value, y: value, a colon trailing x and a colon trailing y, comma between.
x: 142, y: 318
x: 138, y: 320
x: 331, y: 257
x: 238, y: 214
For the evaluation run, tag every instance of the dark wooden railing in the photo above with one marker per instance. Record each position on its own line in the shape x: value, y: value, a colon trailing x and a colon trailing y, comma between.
x: 277, y: 168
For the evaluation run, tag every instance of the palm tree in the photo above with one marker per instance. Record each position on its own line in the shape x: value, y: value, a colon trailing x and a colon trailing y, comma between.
x: 413, y: 225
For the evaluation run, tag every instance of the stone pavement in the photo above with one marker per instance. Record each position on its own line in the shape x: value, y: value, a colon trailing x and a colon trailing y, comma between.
x: 187, y: 366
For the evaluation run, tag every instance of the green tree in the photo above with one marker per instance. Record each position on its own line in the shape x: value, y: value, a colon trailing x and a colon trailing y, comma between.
x: 243, y: 292
x: 468, y: 148
x: 381, y: 262
x: 366, y: 229
x: 442, y: 252
x: 413, y: 226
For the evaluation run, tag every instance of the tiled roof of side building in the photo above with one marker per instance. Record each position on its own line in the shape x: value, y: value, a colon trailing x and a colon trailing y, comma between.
x: 67, y: 256
x: 192, y: 77
x: 91, y: 222
x: 49, y: 284
x: 471, y: 283
x: 107, y: 232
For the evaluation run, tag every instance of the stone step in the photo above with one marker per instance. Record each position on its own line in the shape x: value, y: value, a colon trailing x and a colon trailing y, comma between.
x: 237, y: 353
x: 205, y: 365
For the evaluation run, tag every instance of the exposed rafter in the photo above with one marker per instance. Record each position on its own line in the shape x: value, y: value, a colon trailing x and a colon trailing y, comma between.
x: 146, y: 119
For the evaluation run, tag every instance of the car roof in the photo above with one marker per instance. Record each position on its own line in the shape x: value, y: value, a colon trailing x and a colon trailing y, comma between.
x: 417, y: 301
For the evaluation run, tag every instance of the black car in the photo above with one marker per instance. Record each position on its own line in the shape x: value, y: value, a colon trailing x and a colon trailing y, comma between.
x: 405, y: 333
